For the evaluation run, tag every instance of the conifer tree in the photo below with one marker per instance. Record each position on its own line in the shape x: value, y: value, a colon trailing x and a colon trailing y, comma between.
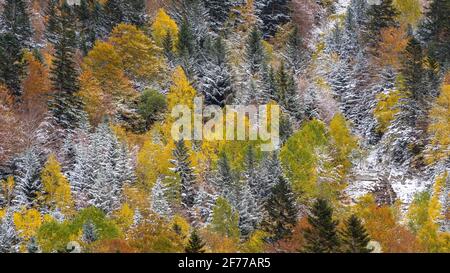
x: 281, y: 210
x: 89, y: 232
x: 225, y: 220
x: 16, y: 21
x: 9, y: 238
x: 294, y: 53
x: 33, y: 246
x: 28, y: 186
x: 218, y: 11
x: 380, y: 15
x: 11, y: 67
x: 158, y: 200
x: 182, y: 167
x: 354, y: 237
x: 224, y: 180
x: 272, y: 14
x: 435, y: 30
x: 185, y: 44
x: 249, y: 215
x: 322, y: 236
x: 195, y: 244
x: 65, y: 106
x: 254, y: 51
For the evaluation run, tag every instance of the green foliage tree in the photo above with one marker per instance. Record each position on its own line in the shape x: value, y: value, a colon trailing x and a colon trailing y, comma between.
x: 151, y: 105
x: 225, y: 220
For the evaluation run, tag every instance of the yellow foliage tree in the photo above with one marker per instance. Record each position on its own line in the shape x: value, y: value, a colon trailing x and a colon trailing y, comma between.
x: 97, y: 104
x: 439, y: 127
x: 410, y: 11
x: 140, y: 57
x: 181, y: 91
x: 7, y: 189
x: 163, y: 26
x: 56, y: 186
x: 36, y: 85
x: 344, y: 142
x: 124, y: 217
x: 27, y: 223
x: 387, y: 108
x: 391, y: 46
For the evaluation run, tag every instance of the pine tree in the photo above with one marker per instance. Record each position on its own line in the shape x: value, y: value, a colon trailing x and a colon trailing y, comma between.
x: 158, y: 200
x: 254, y: 51
x: 294, y: 52
x: 33, y: 246
x: 249, y: 215
x: 89, y: 232
x: 9, y: 238
x: 435, y: 30
x: 281, y: 211
x: 28, y: 186
x: 224, y: 180
x: 322, y: 236
x: 272, y: 14
x: 214, y: 76
x: 195, y: 244
x: 11, y: 66
x: 287, y: 91
x: 185, y: 45
x: 355, y: 238
x: 16, y: 21
x: 130, y: 12
x: 182, y: 167
x: 380, y: 16
x: 218, y: 11
x: 65, y: 106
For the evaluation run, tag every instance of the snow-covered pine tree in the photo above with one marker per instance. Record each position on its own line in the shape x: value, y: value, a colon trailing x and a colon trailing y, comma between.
x: 269, y: 170
x: 254, y: 51
x: 65, y: 106
x: 295, y: 52
x: 9, y: 238
x: 435, y: 30
x: 158, y: 200
x: 214, y: 76
x: 248, y: 210
x: 15, y: 20
x: 130, y: 12
x: 272, y: 14
x: 224, y: 180
x: 182, y: 167
x: 26, y: 176
x: 89, y: 232
x: 218, y: 11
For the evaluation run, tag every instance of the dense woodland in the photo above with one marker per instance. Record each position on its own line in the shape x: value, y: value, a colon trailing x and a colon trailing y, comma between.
x: 86, y: 153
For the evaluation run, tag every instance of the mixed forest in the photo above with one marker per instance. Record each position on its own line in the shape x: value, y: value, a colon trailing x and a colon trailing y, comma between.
x: 87, y: 88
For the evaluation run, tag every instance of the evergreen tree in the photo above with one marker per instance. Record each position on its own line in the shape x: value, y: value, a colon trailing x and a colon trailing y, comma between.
x: 224, y: 180
x: 33, y: 246
x: 130, y: 12
x: 182, y: 167
x: 254, y: 51
x: 355, y: 238
x: 215, y: 76
x: 380, y: 16
x: 225, y: 220
x: 287, y: 91
x: 281, y: 210
x: 11, y: 66
x: 294, y: 54
x: 218, y: 11
x: 89, y: 232
x: 28, y: 186
x: 249, y: 215
x: 413, y: 70
x: 158, y: 200
x: 65, y: 106
x: 322, y: 236
x: 9, y: 238
x: 435, y: 30
x: 195, y: 244
x: 16, y: 21
x: 272, y: 14
x: 185, y: 43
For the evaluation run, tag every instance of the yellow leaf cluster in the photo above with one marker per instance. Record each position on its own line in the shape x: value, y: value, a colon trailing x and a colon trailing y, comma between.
x: 162, y: 26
